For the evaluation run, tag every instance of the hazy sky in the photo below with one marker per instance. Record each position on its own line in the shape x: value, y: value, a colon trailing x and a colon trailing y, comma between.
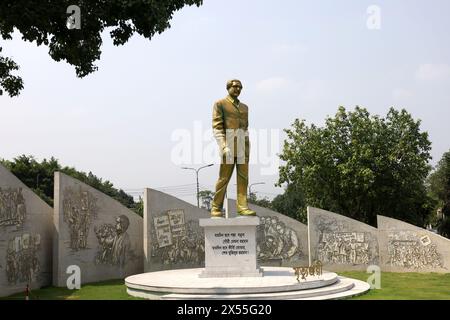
x: 296, y: 59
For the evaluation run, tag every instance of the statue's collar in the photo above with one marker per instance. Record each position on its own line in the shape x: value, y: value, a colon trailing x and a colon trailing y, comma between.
x: 235, y: 102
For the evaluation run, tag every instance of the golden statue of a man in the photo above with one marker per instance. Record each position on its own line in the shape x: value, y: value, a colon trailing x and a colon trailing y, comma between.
x: 230, y: 127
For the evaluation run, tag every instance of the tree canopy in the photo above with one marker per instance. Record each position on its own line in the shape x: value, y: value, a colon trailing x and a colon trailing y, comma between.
x: 439, y: 190
x: 291, y: 203
x: 45, y: 22
x: 262, y: 202
x: 360, y: 165
x: 39, y: 177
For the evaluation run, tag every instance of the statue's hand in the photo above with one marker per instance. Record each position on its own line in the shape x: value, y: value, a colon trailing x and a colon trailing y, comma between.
x: 226, y: 151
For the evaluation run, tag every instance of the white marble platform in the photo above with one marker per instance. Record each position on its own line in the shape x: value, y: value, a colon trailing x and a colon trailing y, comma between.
x: 277, y: 283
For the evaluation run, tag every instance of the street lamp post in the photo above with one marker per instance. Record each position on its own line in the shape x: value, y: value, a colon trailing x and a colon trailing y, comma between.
x: 250, y: 187
x: 196, y: 173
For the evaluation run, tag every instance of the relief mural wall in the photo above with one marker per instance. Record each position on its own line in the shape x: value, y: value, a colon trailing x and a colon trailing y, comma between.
x: 407, y: 248
x: 25, y: 237
x: 12, y: 207
x: 95, y: 233
x: 79, y: 211
x: 275, y: 240
x: 344, y: 248
x: 341, y: 243
x: 114, y: 244
x: 175, y: 241
x: 173, y: 238
x: 22, y: 260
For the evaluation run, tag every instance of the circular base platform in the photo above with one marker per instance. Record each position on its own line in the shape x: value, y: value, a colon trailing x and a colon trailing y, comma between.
x: 277, y: 283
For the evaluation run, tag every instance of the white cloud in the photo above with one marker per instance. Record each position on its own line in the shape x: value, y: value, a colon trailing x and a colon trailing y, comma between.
x: 272, y: 84
x: 401, y: 94
x: 433, y: 72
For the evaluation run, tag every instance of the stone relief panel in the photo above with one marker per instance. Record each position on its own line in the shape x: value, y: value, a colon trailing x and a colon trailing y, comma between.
x: 341, y: 243
x: 408, y: 248
x: 281, y: 240
x: 114, y: 245
x: 95, y: 232
x: 26, y: 232
x: 344, y: 248
x: 175, y: 241
x: 12, y: 207
x: 411, y: 250
x: 22, y: 262
x: 275, y: 240
x: 79, y: 210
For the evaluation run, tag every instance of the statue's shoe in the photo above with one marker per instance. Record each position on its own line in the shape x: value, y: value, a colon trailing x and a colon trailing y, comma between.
x: 247, y: 213
x: 216, y: 214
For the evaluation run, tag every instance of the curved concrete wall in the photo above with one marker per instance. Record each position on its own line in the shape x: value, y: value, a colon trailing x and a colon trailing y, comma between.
x: 281, y: 240
x: 407, y: 248
x: 173, y: 238
x: 26, y: 231
x: 341, y: 243
x: 95, y: 233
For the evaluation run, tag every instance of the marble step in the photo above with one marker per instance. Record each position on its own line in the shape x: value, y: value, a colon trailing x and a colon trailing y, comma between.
x: 344, y: 287
x: 188, y: 282
x: 359, y: 288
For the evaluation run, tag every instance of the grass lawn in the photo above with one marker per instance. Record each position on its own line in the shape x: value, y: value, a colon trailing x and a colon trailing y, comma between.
x: 394, y: 286
x: 107, y: 290
x: 406, y: 286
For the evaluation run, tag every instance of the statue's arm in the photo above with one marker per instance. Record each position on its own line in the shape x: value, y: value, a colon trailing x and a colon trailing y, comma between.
x: 218, y: 125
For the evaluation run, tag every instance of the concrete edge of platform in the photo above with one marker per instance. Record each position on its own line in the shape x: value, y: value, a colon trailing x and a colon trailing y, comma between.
x: 344, y: 289
x: 287, y: 295
x: 179, y: 289
x: 359, y: 288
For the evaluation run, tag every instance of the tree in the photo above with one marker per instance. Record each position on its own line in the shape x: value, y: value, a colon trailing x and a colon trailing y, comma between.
x: 138, y: 207
x: 39, y: 177
x: 264, y: 202
x: 360, y: 165
x: 11, y: 83
x: 206, y: 197
x: 439, y: 190
x: 291, y: 203
x: 46, y: 22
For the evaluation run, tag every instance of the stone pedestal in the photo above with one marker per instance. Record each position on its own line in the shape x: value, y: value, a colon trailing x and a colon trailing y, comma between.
x: 230, y: 248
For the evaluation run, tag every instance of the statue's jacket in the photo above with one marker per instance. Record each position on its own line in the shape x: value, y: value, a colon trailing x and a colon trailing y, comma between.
x: 230, y: 126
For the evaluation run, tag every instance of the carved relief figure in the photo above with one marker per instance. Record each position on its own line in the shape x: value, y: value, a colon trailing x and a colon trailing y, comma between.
x: 176, y: 241
x: 276, y: 241
x: 12, y: 207
x: 114, y: 243
x: 79, y: 210
x: 344, y: 248
x: 337, y: 245
x: 22, y: 263
x: 105, y: 235
x: 409, y: 250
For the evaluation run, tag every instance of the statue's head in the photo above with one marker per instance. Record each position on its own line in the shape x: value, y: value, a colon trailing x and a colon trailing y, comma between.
x: 234, y: 88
